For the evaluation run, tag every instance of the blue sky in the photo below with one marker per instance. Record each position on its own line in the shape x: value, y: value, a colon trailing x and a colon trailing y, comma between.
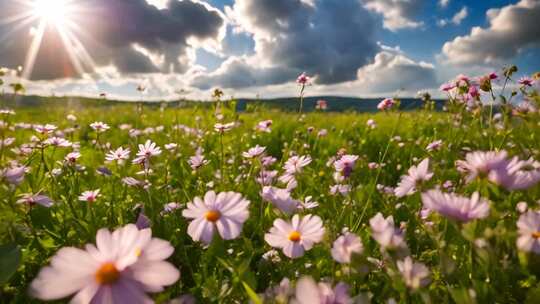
x: 361, y: 48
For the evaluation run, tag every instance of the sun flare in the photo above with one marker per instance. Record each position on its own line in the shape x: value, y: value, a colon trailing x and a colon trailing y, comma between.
x: 51, y: 11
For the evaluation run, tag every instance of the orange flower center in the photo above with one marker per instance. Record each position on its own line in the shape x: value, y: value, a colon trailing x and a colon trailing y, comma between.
x: 536, y: 235
x: 212, y: 216
x: 107, y: 274
x: 294, y: 236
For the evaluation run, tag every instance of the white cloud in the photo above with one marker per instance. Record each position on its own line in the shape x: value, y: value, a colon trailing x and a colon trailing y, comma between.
x: 397, y: 14
x: 444, y: 3
x: 511, y: 29
x: 456, y: 19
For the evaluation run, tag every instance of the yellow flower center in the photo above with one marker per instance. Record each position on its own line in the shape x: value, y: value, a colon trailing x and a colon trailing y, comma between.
x: 107, y: 274
x: 212, y: 216
x: 295, y: 236
x: 536, y: 235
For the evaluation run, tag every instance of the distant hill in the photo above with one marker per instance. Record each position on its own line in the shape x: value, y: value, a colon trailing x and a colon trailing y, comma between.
x: 335, y: 103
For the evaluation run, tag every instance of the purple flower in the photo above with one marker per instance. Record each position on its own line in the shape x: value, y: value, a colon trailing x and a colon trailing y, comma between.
x: 456, y: 207
x: 33, y: 199
x: 254, y: 152
x: 526, y: 81
x: 280, y: 198
x: 345, y: 164
x: 226, y: 212
x: 14, y: 175
x: 480, y: 163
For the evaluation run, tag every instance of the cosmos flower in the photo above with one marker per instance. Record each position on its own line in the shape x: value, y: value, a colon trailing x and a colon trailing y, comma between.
x: 198, y: 160
x: 321, y: 105
x: 303, y: 79
x: 266, y: 177
x: 89, y: 196
x: 71, y: 158
x: 385, y: 233
x: 121, y: 268
x: 99, y: 126
x: 447, y: 87
x: 171, y: 146
x: 33, y: 199
x: 280, y: 198
x: 45, y: 129
x: 409, y: 183
x: 226, y: 212
x: 146, y: 151
x: 264, y: 126
x: 309, y: 292
x: 386, y: 104
x: 296, y: 237
x: 345, y: 164
x: 58, y: 142
x: 254, y: 152
x: 526, y: 81
x: 371, y: 124
x: 480, y: 163
x: 434, y: 145
x: 222, y: 128
x: 118, y: 155
x: 528, y: 226
x: 344, y: 246
x: 516, y: 174
x: 340, y: 189
x: 295, y: 164
x: 456, y: 207
x: 14, y: 175
x: 414, y: 274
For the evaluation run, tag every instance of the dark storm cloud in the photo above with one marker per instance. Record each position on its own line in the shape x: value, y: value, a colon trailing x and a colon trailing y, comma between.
x: 110, y: 30
x: 326, y: 38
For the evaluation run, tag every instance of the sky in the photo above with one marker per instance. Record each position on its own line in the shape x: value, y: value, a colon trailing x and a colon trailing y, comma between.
x: 257, y: 48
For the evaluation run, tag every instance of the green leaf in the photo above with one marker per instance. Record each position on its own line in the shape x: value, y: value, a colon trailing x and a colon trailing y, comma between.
x: 10, y: 257
x: 251, y: 294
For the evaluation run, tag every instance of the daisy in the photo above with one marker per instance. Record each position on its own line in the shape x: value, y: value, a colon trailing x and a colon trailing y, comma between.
x: 146, y: 151
x: 309, y: 292
x: 295, y: 237
x: 89, y: 196
x: 345, y: 246
x: 456, y: 207
x: 225, y: 211
x: 528, y: 226
x: 409, y: 183
x: 120, y: 268
x: 254, y: 152
x: 414, y: 274
x: 99, y: 126
x: 280, y: 198
x: 385, y: 233
x: 118, y: 155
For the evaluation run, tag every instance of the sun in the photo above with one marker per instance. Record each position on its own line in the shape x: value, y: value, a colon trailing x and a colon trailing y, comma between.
x: 51, y: 11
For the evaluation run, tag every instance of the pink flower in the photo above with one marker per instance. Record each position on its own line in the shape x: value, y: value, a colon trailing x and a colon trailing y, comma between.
x: 264, y: 126
x: 526, y: 81
x: 222, y: 128
x: 309, y: 292
x: 296, y: 164
x: 434, y: 146
x: 99, y: 126
x: 456, y: 207
x: 146, y: 151
x: 447, y: 87
x: 71, y: 158
x: 198, y: 160
x: 58, y: 142
x: 409, y: 183
x: 414, y: 274
x: 254, y: 152
x: 295, y: 237
x: 516, y: 174
x: 528, y: 226
x: 321, y: 105
x: 371, y: 124
x: 119, y: 155
x: 303, y: 79
x: 14, y: 175
x: 479, y: 163
x: 345, y: 246
x: 386, y: 104
x: 385, y: 233
x: 280, y: 198
x: 122, y: 267
x: 226, y: 212
x: 33, y: 199
x: 45, y: 129
x: 340, y: 189
x: 89, y: 196
x: 345, y: 164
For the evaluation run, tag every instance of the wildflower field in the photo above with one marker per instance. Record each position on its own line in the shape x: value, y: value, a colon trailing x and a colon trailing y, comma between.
x: 131, y: 203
